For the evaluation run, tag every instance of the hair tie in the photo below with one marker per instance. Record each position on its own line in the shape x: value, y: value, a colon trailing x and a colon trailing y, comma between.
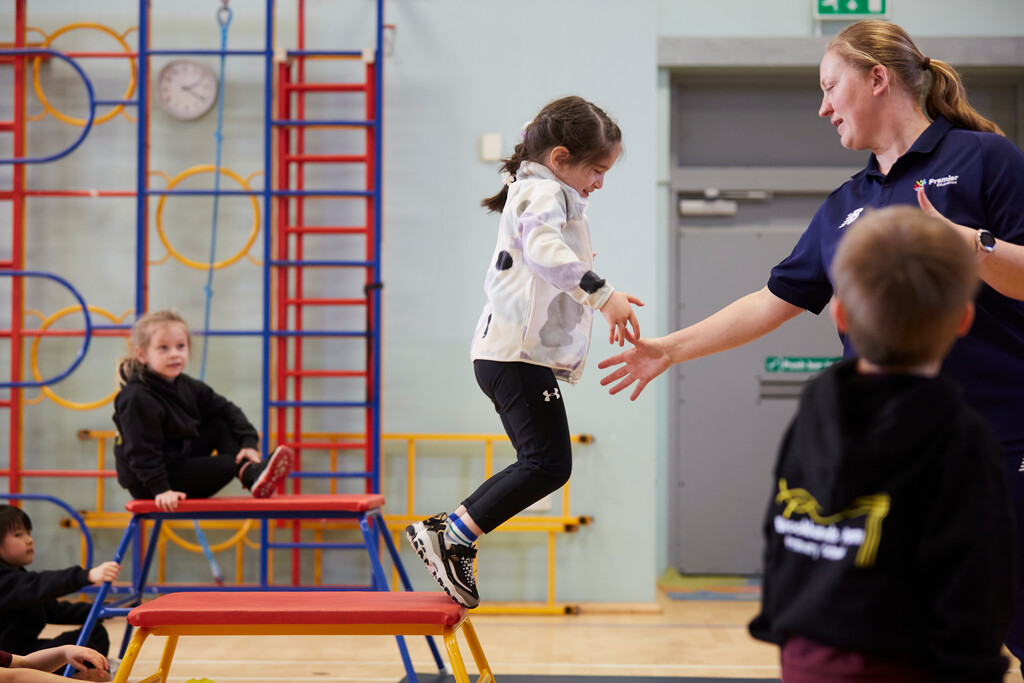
x: 507, y: 178
x: 927, y: 63
x: 522, y: 130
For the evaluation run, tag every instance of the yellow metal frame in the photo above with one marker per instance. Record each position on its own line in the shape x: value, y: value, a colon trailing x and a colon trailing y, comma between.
x: 551, y: 525
x: 369, y: 629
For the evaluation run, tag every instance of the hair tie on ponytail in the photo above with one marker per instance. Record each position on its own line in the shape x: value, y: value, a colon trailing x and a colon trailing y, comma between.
x: 507, y: 178
x: 927, y: 64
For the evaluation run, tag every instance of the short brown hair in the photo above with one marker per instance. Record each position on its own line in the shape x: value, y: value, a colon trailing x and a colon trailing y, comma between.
x: 904, y: 280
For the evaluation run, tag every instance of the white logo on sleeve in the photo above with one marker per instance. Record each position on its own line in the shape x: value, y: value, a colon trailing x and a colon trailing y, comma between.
x: 554, y: 394
x: 852, y: 217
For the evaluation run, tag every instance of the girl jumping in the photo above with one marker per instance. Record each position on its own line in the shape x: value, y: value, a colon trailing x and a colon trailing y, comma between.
x: 535, y: 327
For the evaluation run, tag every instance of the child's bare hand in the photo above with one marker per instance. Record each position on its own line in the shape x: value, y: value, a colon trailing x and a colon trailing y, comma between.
x: 77, y: 656
x: 101, y: 573
x: 168, y: 500
x: 250, y: 454
x: 619, y: 313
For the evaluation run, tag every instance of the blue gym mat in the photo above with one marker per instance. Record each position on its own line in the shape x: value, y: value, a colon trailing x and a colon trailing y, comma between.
x: 699, y: 587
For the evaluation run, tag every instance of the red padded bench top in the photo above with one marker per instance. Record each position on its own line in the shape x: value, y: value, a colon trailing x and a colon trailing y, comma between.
x: 307, y: 608
x: 340, y: 502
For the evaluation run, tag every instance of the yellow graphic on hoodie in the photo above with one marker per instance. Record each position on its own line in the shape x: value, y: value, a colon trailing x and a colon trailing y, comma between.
x: 818, y: 535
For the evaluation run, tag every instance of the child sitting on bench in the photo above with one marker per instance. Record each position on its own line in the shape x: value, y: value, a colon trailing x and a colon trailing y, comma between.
x: 169, y: 424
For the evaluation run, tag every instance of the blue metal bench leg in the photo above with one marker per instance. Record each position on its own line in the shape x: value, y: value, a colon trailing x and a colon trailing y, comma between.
x: 98, y: 609
x: 380, y: 582
x: 141, y: 571
x: 382, y: 529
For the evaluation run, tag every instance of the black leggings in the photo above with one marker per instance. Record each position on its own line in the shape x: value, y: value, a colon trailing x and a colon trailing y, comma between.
x: 529, y: 402
x: 200, y: 475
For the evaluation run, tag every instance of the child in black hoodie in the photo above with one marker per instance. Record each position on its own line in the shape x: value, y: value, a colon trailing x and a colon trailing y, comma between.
x: 169, y: 424
x: 29, y: 600
x: 889, y: 539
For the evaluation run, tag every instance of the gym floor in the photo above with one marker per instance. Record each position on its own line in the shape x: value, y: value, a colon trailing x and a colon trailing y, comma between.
x: 673, y: 638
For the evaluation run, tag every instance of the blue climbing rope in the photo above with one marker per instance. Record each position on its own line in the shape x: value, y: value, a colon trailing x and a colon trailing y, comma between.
x: 224, y: 19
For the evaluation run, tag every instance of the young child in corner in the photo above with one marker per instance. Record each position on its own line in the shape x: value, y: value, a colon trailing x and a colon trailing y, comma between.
x: 169, y: 424
x: 535, y: 328
x: 889, y: 539
x: 89, y: 665
x: 29, y: 600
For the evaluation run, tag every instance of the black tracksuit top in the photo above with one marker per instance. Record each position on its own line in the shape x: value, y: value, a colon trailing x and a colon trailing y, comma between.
x: 889, y: 530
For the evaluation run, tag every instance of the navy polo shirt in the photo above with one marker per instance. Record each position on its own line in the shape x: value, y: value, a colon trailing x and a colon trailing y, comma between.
x: 974, y: 179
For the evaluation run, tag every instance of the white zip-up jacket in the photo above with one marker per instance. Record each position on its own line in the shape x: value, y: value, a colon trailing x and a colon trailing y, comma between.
x: 541, y: 289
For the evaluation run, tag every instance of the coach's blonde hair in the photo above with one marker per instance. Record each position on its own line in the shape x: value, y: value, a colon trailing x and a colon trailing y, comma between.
x: 870, y: 43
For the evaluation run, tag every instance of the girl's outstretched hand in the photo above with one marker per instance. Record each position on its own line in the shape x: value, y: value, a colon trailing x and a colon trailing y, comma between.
x: 646, y: 360
x: 618, y: 311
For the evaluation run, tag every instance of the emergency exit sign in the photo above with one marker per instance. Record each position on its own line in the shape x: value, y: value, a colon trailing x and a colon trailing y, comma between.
x: 849, y: 9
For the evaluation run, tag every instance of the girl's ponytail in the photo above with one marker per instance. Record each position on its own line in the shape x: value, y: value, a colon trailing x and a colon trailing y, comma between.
x: 496, y: 204
x: 947, y: 98
x: 128, y: 368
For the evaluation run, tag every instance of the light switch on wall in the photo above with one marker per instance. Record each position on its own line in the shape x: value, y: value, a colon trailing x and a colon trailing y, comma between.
x: 490, y: 147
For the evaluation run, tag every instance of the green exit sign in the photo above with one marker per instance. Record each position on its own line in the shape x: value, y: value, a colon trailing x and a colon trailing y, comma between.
x: 799, y: 363
x: 849, y: 9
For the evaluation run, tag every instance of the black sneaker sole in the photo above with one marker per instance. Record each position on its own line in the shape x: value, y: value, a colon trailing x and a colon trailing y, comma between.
x: 435, y: 571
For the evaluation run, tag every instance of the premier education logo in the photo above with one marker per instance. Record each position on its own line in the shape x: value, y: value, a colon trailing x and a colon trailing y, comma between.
x: 936, y: 182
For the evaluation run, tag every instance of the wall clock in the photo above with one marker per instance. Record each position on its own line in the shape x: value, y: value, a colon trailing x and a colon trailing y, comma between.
x: 186, y: 89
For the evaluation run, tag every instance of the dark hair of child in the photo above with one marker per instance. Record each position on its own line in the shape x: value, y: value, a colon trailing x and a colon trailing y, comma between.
x: 13, y: 519
x: 571, y: 122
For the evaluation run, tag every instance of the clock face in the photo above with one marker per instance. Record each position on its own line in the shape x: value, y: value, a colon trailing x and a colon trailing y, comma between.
x: 186, y: 89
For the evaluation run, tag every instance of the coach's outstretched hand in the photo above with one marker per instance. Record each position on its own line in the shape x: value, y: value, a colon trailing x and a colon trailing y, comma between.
x: 646, y: 360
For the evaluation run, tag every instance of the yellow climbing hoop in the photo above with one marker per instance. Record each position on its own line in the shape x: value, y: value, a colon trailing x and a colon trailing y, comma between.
x: 38, y: 87
x: 239, y: 535
x: 198, y: 265
x: 34, y: 359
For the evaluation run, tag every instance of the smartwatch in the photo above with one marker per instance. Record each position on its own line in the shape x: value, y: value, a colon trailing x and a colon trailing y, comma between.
x: 986, y: 241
